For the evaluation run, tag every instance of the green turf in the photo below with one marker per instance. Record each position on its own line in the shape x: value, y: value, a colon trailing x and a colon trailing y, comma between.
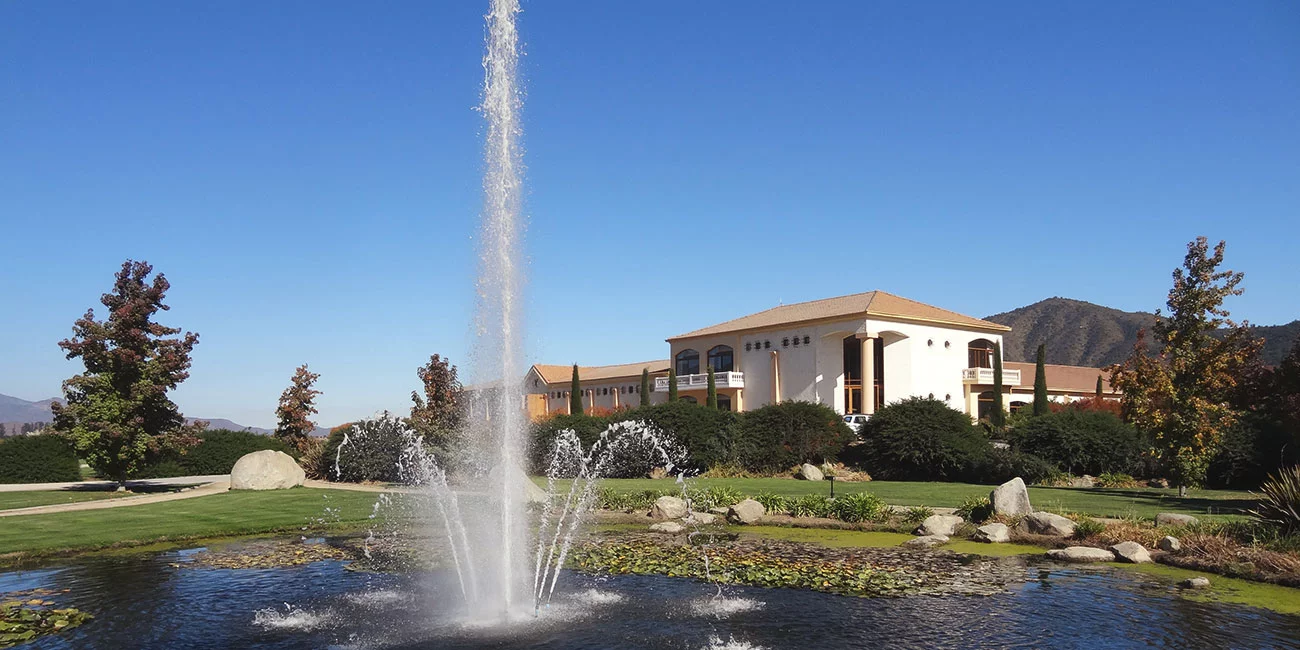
x: 1096, y: 502
x: 10, y: 500
x: 225, y: 514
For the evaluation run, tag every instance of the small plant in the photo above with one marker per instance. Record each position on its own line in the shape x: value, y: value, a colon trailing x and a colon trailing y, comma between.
x: 1279, y: 503
x: 1087, y: 527
x: 862, y: 506
x: 917, y: 514
x: 1116, y: 480
x: 714, y: 496
x: 975, y: 509
x: 727, y: 470
x: 811, y: 505
x: 773, y: 503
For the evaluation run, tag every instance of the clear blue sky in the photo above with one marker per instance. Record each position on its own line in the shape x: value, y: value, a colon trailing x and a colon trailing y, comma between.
x: 307, y: 173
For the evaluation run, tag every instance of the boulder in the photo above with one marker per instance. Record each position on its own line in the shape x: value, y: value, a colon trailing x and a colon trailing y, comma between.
x: 1081, y: 554
x: 701, y: 518
x: 809, y: 472
x: 1158, y: 483
x: 1195, y: 583
x: 1131, y: 552
x: 1011, y: 499
x: 945, y: 525
x: 1169, y: 544
x: 926, y: 541
x: 1175, y: 519
x: 1046, y: 523
x: 667, y: 507
x: 266, y: 470
x: 670, y: 527
x: 745, y: 512
x: 719, y: 511
x: 992, y: 533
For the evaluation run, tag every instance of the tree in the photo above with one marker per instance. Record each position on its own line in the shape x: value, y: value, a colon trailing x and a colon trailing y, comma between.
x: 297, y: 405
x: 438, y: 414
x: 998, y: 416
x: 575, y: 393
x: 672, y: 384
x: 1098, y: 386
x: 711, y: 396
x: 1181, y: 391
x: 117, y: 411
x: 1040, y: 382
x: 645, y: 387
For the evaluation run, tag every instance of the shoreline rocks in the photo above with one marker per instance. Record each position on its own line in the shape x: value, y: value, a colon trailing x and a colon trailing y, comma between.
x: 1081, y: 554
x: 668, y: 507
x: 1011, y: 498
x: 1131, y: 552
x: 1046, y: 523
x: 926, y: 541
x: 1175, y: 519
x: 944, y: 525
x: 992, y: 533
x: 669, y: 527
x: 1169, y: 544
x: 745, y: 512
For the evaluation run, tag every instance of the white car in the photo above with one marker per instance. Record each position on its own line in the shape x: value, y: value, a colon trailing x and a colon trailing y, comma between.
x: 856, y: 421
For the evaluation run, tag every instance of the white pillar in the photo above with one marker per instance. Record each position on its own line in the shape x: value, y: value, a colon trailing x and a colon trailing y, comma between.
x: 776, y: 377
x: 868, y: 375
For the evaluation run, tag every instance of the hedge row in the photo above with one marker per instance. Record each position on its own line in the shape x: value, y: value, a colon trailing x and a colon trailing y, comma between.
x: 216, y: 453
x: 45, y: 458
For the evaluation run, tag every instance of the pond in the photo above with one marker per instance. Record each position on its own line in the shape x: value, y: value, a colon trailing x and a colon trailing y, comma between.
x: 161, y: 600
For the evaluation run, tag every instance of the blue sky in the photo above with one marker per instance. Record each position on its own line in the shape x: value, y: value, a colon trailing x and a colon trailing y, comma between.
x: 307, y: 174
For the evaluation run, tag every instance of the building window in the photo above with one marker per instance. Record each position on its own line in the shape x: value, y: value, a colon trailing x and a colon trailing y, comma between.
x: 785, y: 342
x: 980, y: 354
x: 688, y: 362
x: 748, y: 346
x: 767, y: 344
x: 688, y: 399
x: 806, y: 340
x: 720, y: 358
x: 724, y: 402
x: 796, y: 341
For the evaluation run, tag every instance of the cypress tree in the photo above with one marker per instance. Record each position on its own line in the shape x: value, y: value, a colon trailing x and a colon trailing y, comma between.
x: 575, y: 393
x: 672, y: 383
x: 712, y: 399
x: 1040, y: 382
x: 997, y: 417
x: 645, y: 387
x: 1098, y: 386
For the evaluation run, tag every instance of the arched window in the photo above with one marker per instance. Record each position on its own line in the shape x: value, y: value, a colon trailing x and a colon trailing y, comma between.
x: 724, y: 402
x: 688, y: 362
x: 980, y: 354
x: 688, y: 399
x: 720, y: 358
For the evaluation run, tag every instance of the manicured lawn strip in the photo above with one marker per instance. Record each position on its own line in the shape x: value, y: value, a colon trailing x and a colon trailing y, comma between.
x: 1096, y: 502
x: 225, y: 514
x: 11, y: 500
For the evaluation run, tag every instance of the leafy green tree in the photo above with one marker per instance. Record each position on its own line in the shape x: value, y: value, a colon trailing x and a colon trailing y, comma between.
x: 711, y: 397
x: 297, y: 405
x: 672, y: 383
x: 117, y: 411
x: 1181, y: 391
x: 998, y: 416
x: 645, y: 387
x: 1040, y: 382
x: 575, y: 393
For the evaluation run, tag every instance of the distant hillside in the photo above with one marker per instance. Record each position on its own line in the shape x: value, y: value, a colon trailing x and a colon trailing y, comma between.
x: 1080, y: 333
x: 14, y: 412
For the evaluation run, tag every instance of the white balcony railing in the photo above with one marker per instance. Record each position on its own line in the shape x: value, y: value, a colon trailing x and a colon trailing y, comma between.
x: 985, y: 376
x: 701, y: 381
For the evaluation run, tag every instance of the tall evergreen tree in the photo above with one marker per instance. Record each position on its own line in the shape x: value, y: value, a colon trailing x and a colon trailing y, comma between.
x: 575, y: 393
x: 711, y: 397
x: 117, y: 411
x: 672, y: 383
x: 1098, y: 386
x: 645, y: 387
x: 1040, y: 382
x: 998, y: 416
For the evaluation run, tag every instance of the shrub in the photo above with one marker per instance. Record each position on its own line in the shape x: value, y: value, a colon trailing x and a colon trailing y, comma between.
x: 976, y: 509
x: 543, y: 434
x: 706, y: 433
x: 715, y: 496
x: 810, y: 505
x: 45, y: 458
x: 164, y: 468
x: 862, y: 506
x: 370, y: 450
x: 1082, y: 442
x: 779, y: 436
x: 1116, y: 480
x: 218, y: 449
x: 998, y: 466
x: 312, y: 459
x: 919, y: 439
x: 773, y: 503
x: 1088, y: 527
x: 918, y: 514
x: 1279, y: 504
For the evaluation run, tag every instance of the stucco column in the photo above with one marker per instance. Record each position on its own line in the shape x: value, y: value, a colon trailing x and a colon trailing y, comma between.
x: 868, y: 374
x: 776, y: 377
x: 615, y: 391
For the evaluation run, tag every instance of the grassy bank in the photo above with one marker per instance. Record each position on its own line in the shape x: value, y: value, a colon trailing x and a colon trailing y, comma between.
x: 1096, y: 502
x: 218, y: 515
x: 12, y: 500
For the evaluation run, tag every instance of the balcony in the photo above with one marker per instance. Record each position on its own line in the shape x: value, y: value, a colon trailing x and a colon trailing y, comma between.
x: 701, y: 381
x: 985, y: 376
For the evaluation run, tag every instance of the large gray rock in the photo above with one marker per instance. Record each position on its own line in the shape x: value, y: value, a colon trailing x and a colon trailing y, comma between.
x: 1169, y: 544
x: 667, y: 507
x: 745, y: 512
x: 1081, y: 554
x: 1046, y: 523
x: 1195, y: 583
x: 992, y: 533
x: 701, y: 518
x: 945, y: 525
x: 1011, y: 499
x: 810, y: 473
x: 926, y: 541
x: 1131, y: 552
x: 1175, y: 519
x: 670, y: 527
x: 266, y: 470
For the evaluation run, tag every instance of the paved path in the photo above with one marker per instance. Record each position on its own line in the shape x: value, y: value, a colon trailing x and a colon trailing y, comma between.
x: 109, y: 485
x: 187, y: 493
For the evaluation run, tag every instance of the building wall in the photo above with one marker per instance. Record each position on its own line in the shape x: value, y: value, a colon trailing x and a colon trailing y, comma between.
x: 626, y: 388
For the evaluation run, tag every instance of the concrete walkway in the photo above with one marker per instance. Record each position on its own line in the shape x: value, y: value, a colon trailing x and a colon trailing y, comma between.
x: 111, y: 485
x: 216, y: 487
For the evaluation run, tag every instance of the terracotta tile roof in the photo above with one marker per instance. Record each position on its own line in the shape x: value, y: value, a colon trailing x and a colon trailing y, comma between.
x: 553, y: 374
x: 871, y: 303
x: 1078, y: 379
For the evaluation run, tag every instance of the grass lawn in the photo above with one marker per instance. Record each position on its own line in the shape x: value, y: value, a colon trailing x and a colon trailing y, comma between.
x: 225, y: 514
x: 1097, y: 502
x: 10, y: 500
